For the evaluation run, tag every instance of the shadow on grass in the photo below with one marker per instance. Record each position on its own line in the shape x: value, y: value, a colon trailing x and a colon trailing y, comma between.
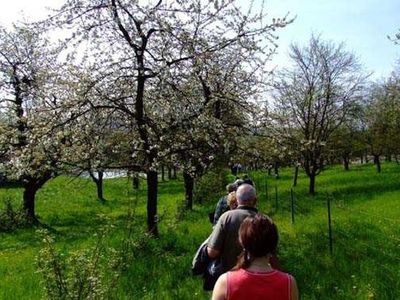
x: 366, y: 189
x: 11, y: 185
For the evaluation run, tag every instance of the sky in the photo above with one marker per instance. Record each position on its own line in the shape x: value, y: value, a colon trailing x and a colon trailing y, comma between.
x: 363, y: 25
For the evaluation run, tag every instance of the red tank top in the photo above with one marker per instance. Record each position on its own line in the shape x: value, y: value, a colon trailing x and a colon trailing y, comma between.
x: 242, y: 284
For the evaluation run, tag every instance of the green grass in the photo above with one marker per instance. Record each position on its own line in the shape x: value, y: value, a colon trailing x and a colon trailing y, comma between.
x: 365, y: 222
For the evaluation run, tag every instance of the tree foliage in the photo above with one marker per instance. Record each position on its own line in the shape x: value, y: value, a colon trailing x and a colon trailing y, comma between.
x: 29, y: 87
x: 161, y: 66
x: 313, y: 98
x: 382, y: 118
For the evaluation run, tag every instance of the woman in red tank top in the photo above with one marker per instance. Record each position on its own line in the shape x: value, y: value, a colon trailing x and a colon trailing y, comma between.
x: 253, y: 277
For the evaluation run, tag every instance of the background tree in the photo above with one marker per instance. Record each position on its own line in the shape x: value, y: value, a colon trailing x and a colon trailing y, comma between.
x: 347, y: 141
x: 313, y: 98
x: 395, y: 38
x: 28, y: 89
x: 392, y: 87
x: 95, y: 142
x: 382, y: 120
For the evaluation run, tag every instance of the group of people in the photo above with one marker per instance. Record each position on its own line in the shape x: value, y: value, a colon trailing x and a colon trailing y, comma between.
x: 243, y: 245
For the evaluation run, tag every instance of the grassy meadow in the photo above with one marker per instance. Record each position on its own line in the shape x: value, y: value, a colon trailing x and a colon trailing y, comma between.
x: 365, y: 263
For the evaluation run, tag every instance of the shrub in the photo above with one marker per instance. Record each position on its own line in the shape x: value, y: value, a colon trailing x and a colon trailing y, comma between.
x: 90, y: 273
x: 210, y: 186
x: 11, y: 218
x: 80, y: 276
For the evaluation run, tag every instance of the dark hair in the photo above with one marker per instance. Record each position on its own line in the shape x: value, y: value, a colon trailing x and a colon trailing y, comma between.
x: 231, y: 187
x: 247, y: 179
x: 258, y: 236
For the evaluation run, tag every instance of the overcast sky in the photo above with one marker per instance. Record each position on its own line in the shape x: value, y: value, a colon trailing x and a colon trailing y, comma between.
x: 363, y: 25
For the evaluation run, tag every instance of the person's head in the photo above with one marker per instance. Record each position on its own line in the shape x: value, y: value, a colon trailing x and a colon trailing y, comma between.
x: 231, y: 200
x: 248, y: 181
x: 231, y: 187
x: 238, y: 182
x: 246, y: 195
x: 258, y: 235
x: 246, y: 176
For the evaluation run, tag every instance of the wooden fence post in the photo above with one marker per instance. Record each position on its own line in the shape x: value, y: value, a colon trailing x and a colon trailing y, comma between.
x: 292, y: 204
x: 330, y: 225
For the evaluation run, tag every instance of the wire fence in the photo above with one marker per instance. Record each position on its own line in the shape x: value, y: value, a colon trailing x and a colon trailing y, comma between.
x: 350, y: 230
x: 360, y: 232
x: 347, y: 227
x: 374, y: 216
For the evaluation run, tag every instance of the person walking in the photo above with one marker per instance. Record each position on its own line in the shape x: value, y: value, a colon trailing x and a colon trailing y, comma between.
x: 223, y: 242
x: 253, y: 277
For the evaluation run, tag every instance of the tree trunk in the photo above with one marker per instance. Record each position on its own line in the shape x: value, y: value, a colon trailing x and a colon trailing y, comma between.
x: 163, y: 173
x: 173, y: 173
x: 189, y: 184
x: 296, y: 174
x: 99, y: 185
x: 31, y: 186
x: 346, y: 161
x: 169, y: 173
x: 311, y: 189
x: 152, y: 218
x: 377, y: 161
x: 276, y: 170
x: 361, y: 159
x: 135, y: 181
x: 30, y: 190
x: 217, y: 110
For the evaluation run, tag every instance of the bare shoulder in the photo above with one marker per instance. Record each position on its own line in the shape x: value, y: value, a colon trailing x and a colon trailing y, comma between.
x: 220, y: 289
x: 294, y: 292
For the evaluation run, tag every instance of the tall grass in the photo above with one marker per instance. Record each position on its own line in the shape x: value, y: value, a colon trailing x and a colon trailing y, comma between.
x: 365, y: 218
